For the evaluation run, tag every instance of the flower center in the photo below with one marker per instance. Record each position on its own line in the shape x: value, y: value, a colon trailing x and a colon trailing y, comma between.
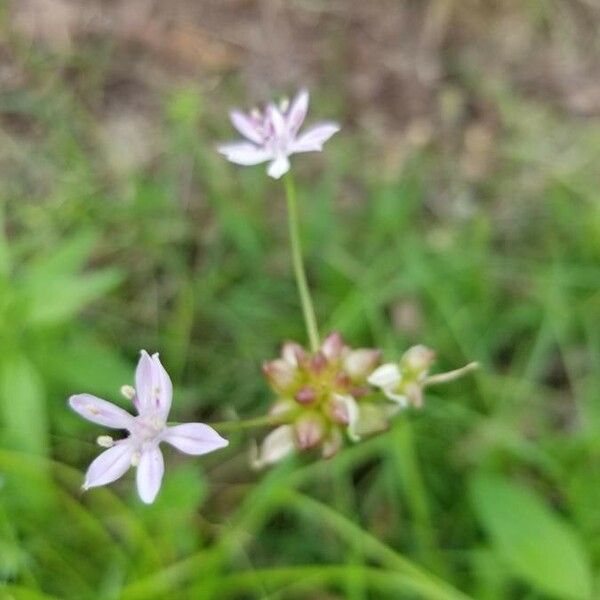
x: 147, y: 428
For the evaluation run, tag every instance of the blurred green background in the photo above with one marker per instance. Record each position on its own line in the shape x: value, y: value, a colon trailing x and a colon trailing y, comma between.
x: 459, y: 207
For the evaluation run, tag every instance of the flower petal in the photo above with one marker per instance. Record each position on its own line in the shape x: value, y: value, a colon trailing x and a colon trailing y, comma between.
x: 100, y: 411
x: 400, y: 399
x: 246, y: 125
x: 109, y: 466
x: 276, y: 446
x: 162, y: 390
x: 279, y: 167
x: 194, y: 438
x: 153, y: 386
x: 297, y: 112
x: 385, y: 376
x: 312, y: 139
x: 245, y: 153
x: 143, y: 382
x: 150, y: 472
x: 277, y: 122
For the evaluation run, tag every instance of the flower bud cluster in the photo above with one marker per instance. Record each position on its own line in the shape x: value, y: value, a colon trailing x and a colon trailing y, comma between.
x: 336, y: 393
x: 319, y: 397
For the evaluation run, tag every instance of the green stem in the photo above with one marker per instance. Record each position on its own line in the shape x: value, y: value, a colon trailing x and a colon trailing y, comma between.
x: 264, y: 421
x: 4, y: 250
x: 307, y: 305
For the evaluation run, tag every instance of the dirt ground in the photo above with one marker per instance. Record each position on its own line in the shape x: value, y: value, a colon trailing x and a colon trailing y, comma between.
x: 390, y: 59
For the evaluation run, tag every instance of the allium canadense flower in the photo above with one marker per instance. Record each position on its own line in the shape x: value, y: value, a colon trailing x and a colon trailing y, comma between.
x: 151, y: 398
x: 321, y: 399
x: 273, y: 135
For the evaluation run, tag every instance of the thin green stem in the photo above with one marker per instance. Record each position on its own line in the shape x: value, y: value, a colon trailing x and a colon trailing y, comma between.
x: 308, y: 309
x: 4, y: 250
x: 450, y: 375
x: 264, y: 421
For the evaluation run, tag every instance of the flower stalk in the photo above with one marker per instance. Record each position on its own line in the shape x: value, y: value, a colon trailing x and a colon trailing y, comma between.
x: 308, y: 309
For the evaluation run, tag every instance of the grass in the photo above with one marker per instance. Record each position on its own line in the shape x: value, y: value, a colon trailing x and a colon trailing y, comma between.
x: 189, y: 256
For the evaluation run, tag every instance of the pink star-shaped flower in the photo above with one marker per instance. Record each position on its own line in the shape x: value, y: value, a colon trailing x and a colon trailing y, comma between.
x: 273, y: 135
x: 152, y: 399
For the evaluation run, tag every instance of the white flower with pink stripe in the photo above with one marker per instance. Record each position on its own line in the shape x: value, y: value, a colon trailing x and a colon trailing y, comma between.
x: 274, y: 135
x: 152, y: 400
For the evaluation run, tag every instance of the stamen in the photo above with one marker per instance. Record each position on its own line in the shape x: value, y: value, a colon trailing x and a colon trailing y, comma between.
x: 105, y: 441
x: 128, y: 392
x: 135, y: 459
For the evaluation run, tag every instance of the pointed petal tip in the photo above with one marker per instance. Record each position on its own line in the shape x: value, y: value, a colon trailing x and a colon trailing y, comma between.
x: 194, y: 438
x: 149, y: 474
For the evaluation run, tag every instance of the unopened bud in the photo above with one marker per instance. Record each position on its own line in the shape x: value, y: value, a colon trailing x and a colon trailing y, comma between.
x: 275, y: 447
x: 128, y: 392
x: 359, y: 364
x: 280, y: 373
x: 333, y: 345
x: 281, y: 407
x: 418, y: 359
x: 293, y: 353
x: 105, y: 441
x: 306, y: 395
x: 338, y: 410
x: 309, y: 432
x: 342, y: 380
x: 318, y: 363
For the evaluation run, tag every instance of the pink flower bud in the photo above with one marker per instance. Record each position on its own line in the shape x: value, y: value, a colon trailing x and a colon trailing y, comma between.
x: 418, y: 359
x: 338, y: 410
x: 280, y: 374
x: 293, y: 353
x: 306, y: 395
x: 342, y: 380
x: 275, y: 447
x: 318, y: 363
x: 359, y: 364
x: 332, y: 346
x: 309, y: 432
